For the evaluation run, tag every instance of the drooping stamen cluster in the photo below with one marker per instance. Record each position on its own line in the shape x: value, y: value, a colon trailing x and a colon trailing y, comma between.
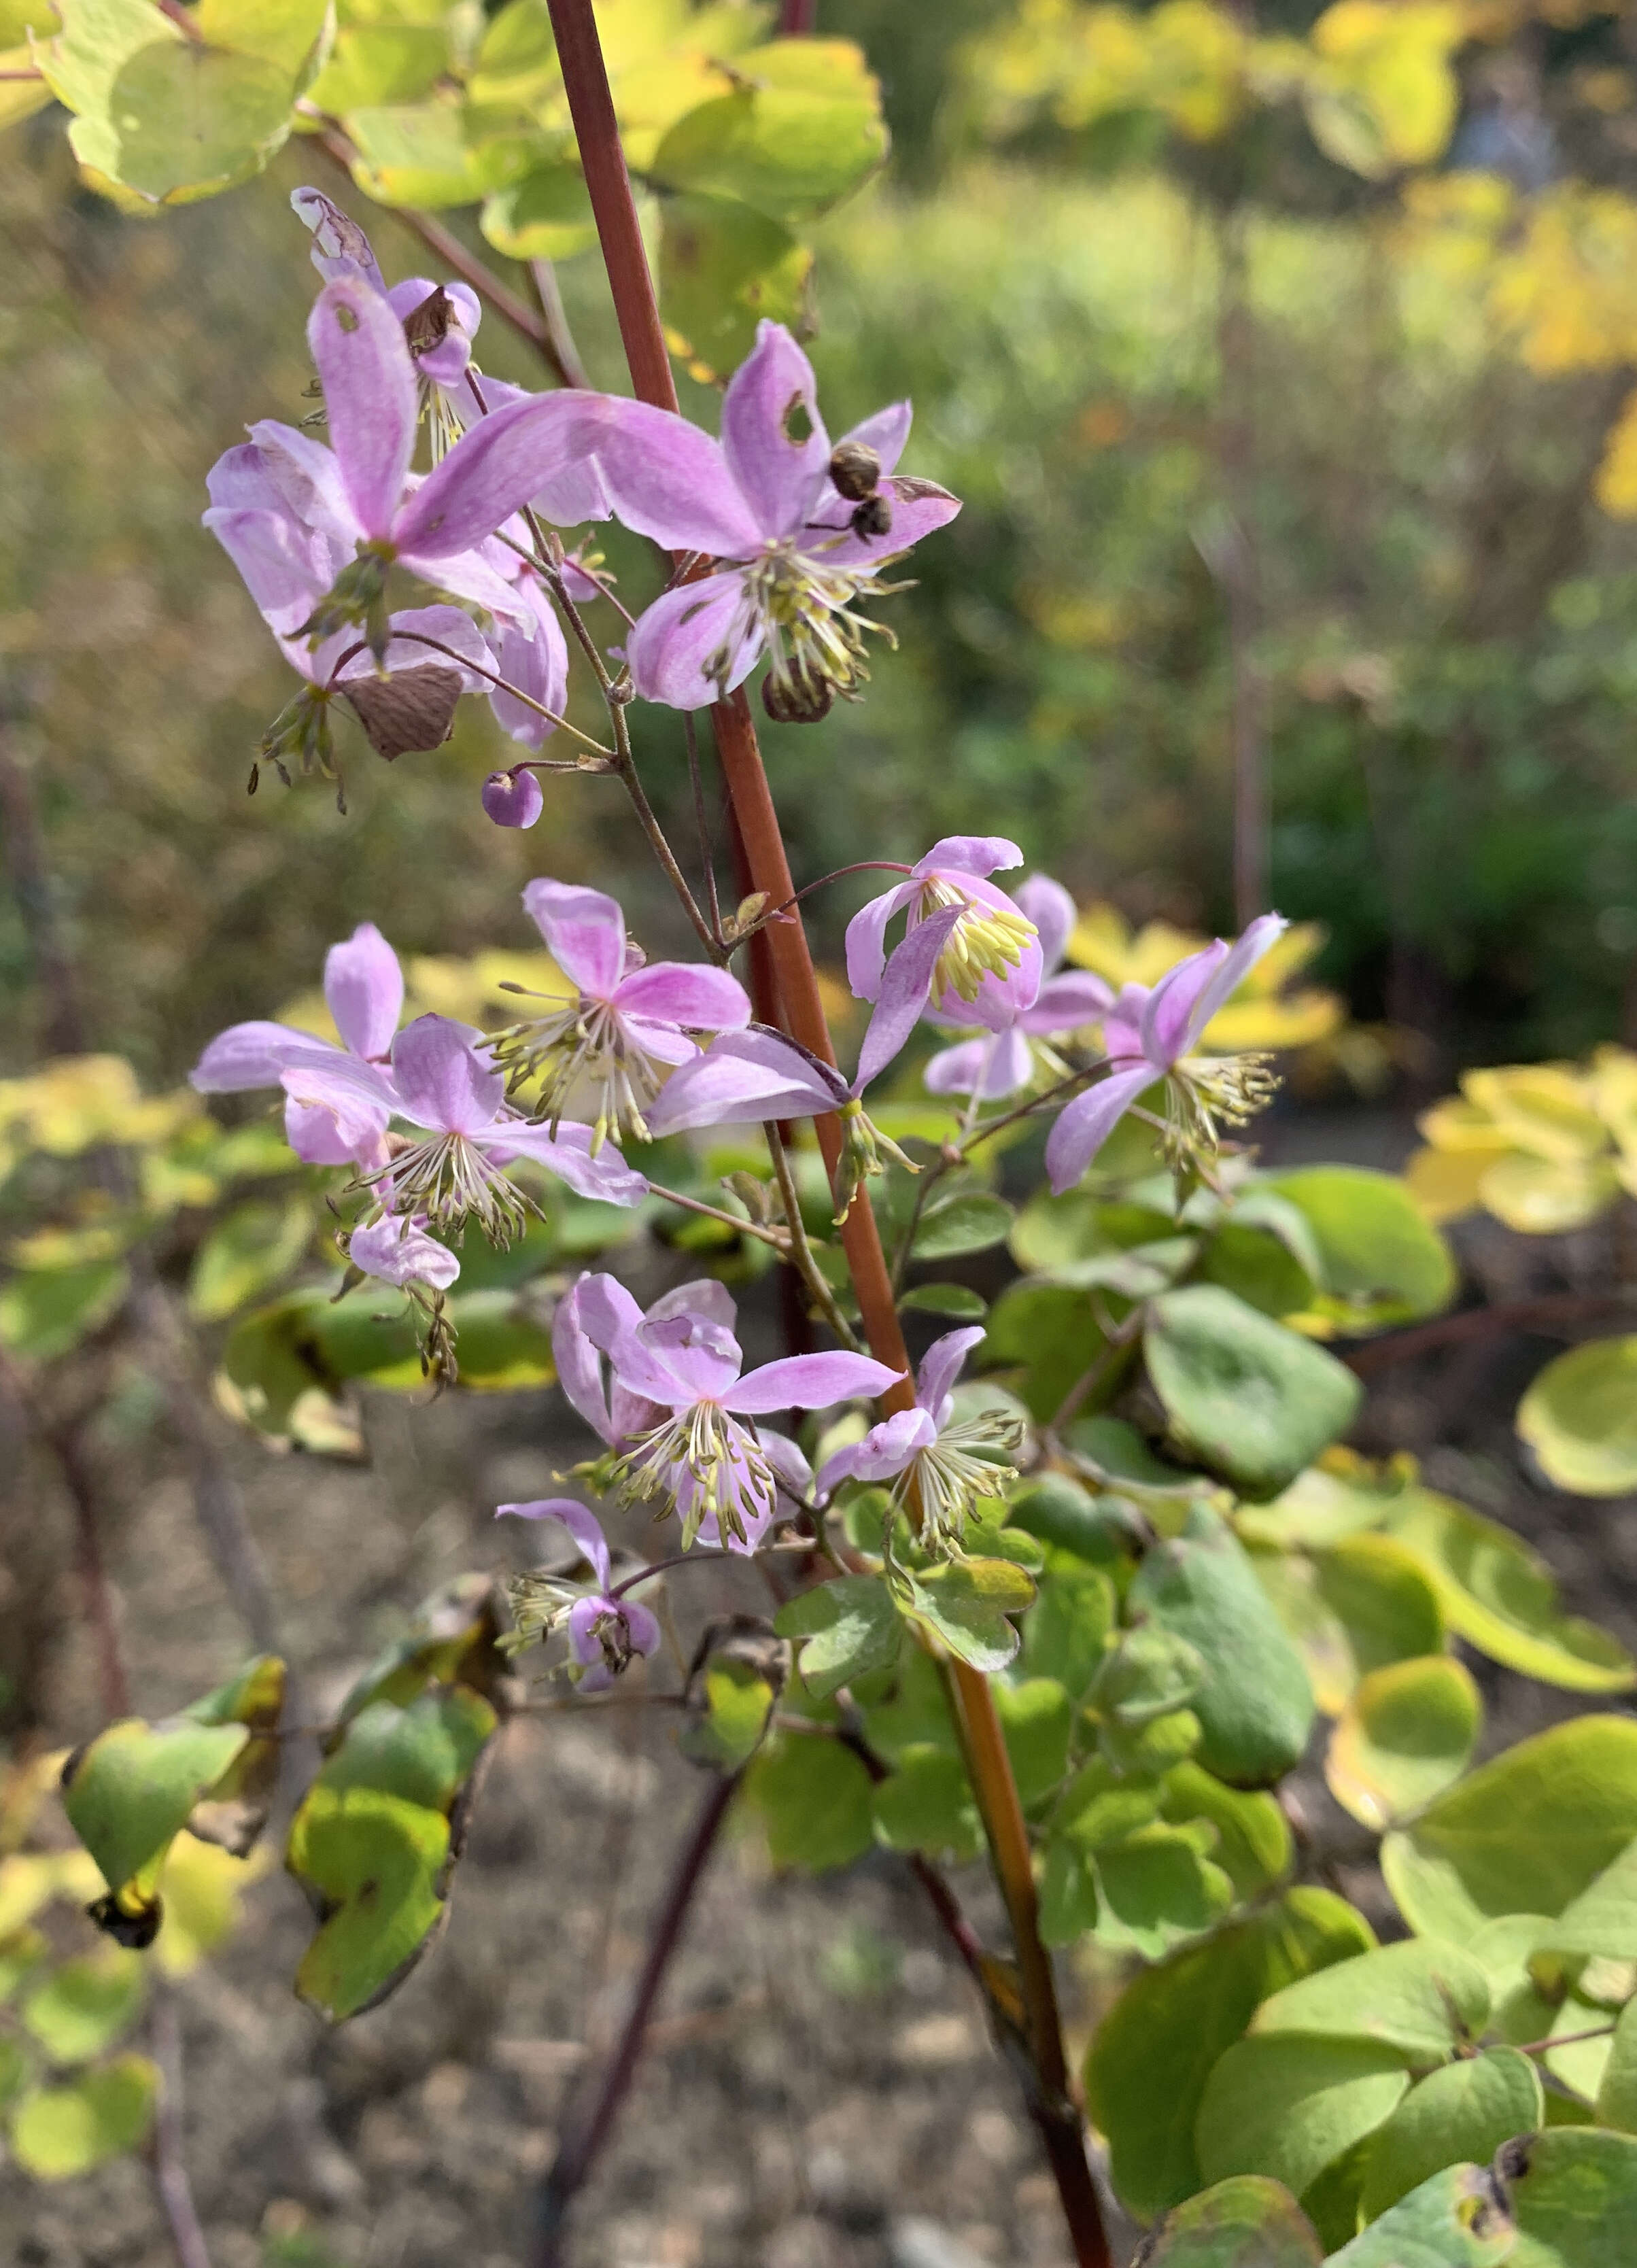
x: 967, y: 1461
x: 708, y: 1466
x: 863, y: 1145
x: 448, y: 1179
x: 804, y: 610
x: 1205, y: 1093
x: 585, y: 1045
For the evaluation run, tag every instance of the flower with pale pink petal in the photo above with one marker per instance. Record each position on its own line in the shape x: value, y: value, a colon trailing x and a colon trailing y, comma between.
x: 364, y: 991
x: 948, y: 1464
x: 396, y: 1249
x: 612, y: 1041
x: 606, y: 1630
x: 1150, y: 1035
x: 989, y: 970
x: 801, y: 531
x: 445, y: 1085
x: 1006, y: 1058
x: 700, y: 1451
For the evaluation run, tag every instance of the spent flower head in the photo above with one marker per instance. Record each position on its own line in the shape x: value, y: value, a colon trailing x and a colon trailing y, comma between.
x: 606, y: 1631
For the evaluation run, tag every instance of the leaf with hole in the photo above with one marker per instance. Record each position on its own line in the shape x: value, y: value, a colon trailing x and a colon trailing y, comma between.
x: 1574, y: 2197
x: 1458, y: 2218
x: 1247, y: 2222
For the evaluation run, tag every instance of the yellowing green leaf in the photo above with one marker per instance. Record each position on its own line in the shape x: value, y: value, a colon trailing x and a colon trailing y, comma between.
x: 130, y: 1792
x: 1247, y: 2222
x: 376, y: 65
x: 85, y: 2004
x: 246, y: 1254
x: 1575, y: 2201
x: 1547, y: 1196
x: 376, y: 1861
x: 45, y: 1312
x: 432, y: 153
x: 1290, y: 2106
x: 1458, y: 2218
x: 1407, y: 1732
x: 200, y: 1888
x: 800, y: 131
x: 1580, y: 1418
x: 723, y: 269
x: 61, y: 2131
x: 545, y: 216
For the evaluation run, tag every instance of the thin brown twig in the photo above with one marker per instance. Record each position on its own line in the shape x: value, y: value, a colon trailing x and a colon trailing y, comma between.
x: 543, y: 278
x: 801, y: 1254
x: 170, y: 2167
x: 1544, y: 1315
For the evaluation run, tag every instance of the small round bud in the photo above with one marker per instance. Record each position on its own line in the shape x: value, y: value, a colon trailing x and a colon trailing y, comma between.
x: 873, y: 518
x: 787, y: 703
x: 856, y: 470
x: 513, y: 798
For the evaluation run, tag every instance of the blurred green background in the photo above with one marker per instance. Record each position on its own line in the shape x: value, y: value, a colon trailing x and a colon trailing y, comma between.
x: 1445, y: 643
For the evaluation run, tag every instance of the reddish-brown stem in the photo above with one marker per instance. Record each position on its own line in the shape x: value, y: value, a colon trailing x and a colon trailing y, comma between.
x: 590, y: 2126
x: 1549, y: 1314
x: 795, y: 982
x: 69, y: 1443
x: 797, y: 18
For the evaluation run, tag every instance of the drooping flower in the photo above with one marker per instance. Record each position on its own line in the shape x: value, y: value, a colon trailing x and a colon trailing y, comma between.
x: 802, y: 532
x: 513, y: 798
x: 358, y: 493
x: 364, y: 992
x: 605, y: 1633
x: 444, y: 1084
x: 990, y: 967
x: 1150, y: 1035
x: 760, y: 1073
x: 1005, y: 1059
x: 684, y: 1432
x: 940, y: 1466
x: 440, y: 320
x: 626, y: 1024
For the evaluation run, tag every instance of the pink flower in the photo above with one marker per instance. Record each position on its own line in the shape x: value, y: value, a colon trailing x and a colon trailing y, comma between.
x: 444, y: 1084
x: 397, y: 1250
x: 1004, y: 1061
x: 680, y: 1415
x: 625, y: 1025
x: 989, y: 970
x: 1150, y: 1035
x: 605, y: 1632
x: 364, y: 991
x: 950, y: 1465
x: 803, y: 532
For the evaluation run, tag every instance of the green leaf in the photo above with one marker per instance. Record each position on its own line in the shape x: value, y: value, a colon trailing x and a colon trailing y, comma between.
x: 851, y: 1627
x: 16, y: 2068
x: 545, y: 216
x: 130, y: 1792
x: 815, y: 1798
x: 372, y: 64
x: 1381, y: 1592
x: 245, y: 1255
x: 1463, y: 2112
x: 1420, y: 1998
x: 434, y: 153
x: 1580, y: 1418
x: 85, y: 2004
x: 963, y: 1220
x: 966, y: 1603
x: 1101, y: 1529
x: 1252, y: 1400
x: 927, y: 1805
x: 1152, y: 2052
x: 60, y: 2132
x: 1254, y: 1704
x: 1323, y: 1507
x: 1575, y: 2199
x: 1602, y: 1919
x: 1290, y: 2106
x: 1036, y: 1717
x: 796, y: 137
x: 424, y: 1753
x: 1500, y: 1596
x: 955, y: 1300
x: 21, y: 1953
x: 1456, y: 2219
x: 1152, y: 1750
x: 1406, y: 1733
x: 1150, y: 1673
x: 1258, y: 1267
x: 1050, y: 1331
x: 1525, y: 1833
x: 1382, y: 1261
x: 915, y: 1714
x: 45, y: 1312
x: 1060, y: 1236
x: 1066, y: 1631
x: 723, y: 269
x: 733, y: 1708
x: 1253, y: 1844
x: 1156, y: 1888
x: 1247, y: 2222
x: 377, y: 1864
x: 1617, y: 2096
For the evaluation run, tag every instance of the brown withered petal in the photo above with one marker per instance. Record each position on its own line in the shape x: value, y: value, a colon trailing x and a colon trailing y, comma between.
x: 413, y: 709
x: 427, y: 326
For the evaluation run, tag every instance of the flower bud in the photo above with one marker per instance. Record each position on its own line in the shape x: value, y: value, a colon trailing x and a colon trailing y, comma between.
x: 856, y: 470
x: 791, y: 702
x: 513, y: 798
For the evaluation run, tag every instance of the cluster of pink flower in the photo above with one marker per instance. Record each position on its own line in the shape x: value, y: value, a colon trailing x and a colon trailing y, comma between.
x: 781, y: 534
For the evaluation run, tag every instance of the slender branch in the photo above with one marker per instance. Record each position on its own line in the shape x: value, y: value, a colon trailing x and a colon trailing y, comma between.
x: 590, y: 2123
x: 795, y: 979
x: 707, y: 859
x: 1543, y: 1314
x: 745, y: 1227
x: 68, y: 1441
x: 1097, y: 1369
x: 1567, y: 2040
x: 543, y: 278
x: 505, y: 303
x: 170, y: 2167
x: 797, y: 17
x: 800, y: 1251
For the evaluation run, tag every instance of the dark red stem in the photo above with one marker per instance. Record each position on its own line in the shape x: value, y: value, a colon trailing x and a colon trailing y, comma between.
x: 1545, y: 1314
